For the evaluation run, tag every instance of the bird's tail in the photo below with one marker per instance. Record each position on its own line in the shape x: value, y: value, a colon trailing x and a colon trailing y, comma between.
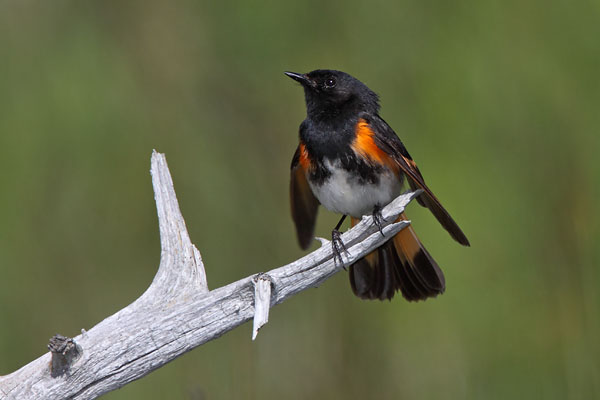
x: 402, y: 263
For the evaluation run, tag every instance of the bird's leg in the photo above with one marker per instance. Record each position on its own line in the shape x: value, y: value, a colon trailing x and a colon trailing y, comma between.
x: 338, y: 245
x: 378, y: 219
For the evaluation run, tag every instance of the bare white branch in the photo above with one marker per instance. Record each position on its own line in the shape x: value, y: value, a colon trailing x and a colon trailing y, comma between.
x: 177, y: 312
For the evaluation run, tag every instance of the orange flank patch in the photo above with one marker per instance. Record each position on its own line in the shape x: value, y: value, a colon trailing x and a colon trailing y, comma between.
x: 365, y: 146
x: 304, y: 160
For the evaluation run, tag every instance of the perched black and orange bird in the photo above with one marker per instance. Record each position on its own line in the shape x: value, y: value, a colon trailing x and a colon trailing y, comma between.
x: 352, y: 162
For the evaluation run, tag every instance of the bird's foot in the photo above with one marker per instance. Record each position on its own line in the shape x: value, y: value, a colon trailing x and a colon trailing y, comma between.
x: 338, y: 248
x: 378, y: 219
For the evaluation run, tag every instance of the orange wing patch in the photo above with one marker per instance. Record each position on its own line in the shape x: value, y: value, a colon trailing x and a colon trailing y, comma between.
x: 412, y: 164
x: 365, y: 146
x: 303, y: 159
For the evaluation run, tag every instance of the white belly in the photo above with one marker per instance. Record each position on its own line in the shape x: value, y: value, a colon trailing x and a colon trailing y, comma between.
x: 342, y: 193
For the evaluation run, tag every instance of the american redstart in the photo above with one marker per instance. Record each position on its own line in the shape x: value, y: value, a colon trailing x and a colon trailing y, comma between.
x: 352, y: 162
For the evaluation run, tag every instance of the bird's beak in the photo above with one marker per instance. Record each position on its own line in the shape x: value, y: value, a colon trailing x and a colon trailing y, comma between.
x: 302, y: 78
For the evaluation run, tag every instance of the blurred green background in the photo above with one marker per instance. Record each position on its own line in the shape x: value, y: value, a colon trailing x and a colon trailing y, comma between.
x: 498, y: 102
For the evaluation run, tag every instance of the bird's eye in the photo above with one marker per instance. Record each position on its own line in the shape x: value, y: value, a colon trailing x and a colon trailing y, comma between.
x: 330, y: 82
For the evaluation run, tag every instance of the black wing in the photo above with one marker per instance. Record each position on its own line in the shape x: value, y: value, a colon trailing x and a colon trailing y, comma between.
x: 387, y: 140
x: 303, y: 202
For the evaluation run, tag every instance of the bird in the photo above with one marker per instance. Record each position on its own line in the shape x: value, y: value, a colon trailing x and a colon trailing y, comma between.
x: 350, y: 161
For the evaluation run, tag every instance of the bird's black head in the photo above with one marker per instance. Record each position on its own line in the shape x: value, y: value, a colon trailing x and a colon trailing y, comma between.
x: 330, y: 92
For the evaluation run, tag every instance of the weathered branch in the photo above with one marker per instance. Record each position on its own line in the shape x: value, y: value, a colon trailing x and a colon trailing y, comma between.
x: 177, y: 312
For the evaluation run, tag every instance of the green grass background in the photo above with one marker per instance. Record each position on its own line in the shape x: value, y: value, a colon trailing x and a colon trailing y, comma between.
x: 498, y: 102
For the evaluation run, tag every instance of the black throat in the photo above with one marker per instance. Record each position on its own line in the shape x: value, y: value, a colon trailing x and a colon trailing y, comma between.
x: 329, y: 129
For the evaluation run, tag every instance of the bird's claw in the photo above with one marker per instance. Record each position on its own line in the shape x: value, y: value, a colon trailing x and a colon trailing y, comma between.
x: 338, y: 248
x: 378, y: 219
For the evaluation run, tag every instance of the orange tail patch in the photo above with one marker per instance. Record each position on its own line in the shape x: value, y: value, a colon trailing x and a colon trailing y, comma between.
x: 402, y: 263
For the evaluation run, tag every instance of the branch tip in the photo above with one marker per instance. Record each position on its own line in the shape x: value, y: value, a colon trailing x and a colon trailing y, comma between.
x: 323, y: 241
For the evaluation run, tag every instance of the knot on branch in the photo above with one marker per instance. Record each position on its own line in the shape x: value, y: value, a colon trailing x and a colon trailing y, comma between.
x: 64, y: 353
